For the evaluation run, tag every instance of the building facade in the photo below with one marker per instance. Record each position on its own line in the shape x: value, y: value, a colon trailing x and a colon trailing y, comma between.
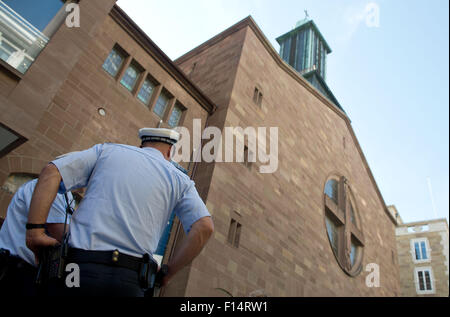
x: 316, y: 226
x: 423, y: 258
x: 297, y: 236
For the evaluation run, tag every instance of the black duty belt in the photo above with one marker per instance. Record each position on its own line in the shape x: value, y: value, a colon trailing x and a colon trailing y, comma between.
x: 111, y: 258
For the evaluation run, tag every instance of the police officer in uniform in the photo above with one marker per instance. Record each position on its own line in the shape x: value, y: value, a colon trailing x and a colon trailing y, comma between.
x: 130, y: 195
x: 18, y: 267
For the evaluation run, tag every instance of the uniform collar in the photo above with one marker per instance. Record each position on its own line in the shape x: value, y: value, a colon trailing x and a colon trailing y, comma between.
x: 154, y: 151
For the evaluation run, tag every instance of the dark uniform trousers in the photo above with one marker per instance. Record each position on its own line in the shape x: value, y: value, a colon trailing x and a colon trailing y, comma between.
x: 99, y: 280
x: 18, y: 279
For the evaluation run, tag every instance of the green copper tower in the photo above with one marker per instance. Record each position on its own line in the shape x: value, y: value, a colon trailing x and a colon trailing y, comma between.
x: 306, y: 50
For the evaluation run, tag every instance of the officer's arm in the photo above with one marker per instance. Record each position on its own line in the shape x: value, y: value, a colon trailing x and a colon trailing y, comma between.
x: 191, y: 247
x: 43, y: 197
x: 56, y: 230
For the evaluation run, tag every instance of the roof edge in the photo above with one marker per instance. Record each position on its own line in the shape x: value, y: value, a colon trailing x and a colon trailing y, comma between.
x: 120, y: 17
x: 424, y: 222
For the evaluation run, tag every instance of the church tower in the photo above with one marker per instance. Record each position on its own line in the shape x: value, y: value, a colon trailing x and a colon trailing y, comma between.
x: 306, y: 50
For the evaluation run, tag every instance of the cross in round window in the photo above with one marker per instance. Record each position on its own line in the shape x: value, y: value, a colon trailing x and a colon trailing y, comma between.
x: 343, y: 228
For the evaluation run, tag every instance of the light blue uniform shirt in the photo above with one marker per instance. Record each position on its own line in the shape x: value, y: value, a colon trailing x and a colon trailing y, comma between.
x: 13, y: 232
x: 130, y: 195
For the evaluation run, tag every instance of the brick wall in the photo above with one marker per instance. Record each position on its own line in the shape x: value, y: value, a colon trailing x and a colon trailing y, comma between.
x: 284, y: 249
x: 55, y: 104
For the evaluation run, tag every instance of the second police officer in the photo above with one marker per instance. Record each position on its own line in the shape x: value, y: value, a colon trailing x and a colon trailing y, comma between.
x: 130, y: 195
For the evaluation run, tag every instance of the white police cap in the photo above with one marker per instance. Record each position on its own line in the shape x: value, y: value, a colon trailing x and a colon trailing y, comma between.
x: 159, y: 135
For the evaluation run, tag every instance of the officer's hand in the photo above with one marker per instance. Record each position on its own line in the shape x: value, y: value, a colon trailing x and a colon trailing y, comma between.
x: 36, y: 239
x: 162, y: 275
x: 165, y: 281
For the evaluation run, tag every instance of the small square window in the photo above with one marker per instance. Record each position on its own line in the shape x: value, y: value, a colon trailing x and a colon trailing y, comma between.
x: 131, y: 76
x: 114, y: 61
x: 176, y: 115
x: 161, y: 104
x: 146, y: 91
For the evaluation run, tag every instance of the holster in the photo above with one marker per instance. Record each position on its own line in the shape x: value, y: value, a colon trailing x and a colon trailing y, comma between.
x: 52, y: 263
x: 156, y: 280
x: 147, y: 273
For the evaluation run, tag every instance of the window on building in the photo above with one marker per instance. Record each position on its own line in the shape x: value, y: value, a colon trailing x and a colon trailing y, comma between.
x: 342, y: 225
x: 146, y: 91
x: 333, y: 232
x: 26, y: 27
x: 114, y: 61
x: 248, y: 158
x: 131, y: 76
x: 162, y: 103
x: 424, y: 280
x: 257, y: 97
x: 9, y: 140
x: 331, y: 190
x: 175, y: 116
x: 234, y: 233
x: 420, y: 250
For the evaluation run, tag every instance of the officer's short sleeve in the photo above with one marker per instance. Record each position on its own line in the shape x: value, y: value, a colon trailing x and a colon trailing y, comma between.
x: 190, y: 208
x: 76, y: 168
x: 57, y: 212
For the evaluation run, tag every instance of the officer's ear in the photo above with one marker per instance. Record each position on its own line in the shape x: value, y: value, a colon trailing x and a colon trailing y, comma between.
x: 169, y: 152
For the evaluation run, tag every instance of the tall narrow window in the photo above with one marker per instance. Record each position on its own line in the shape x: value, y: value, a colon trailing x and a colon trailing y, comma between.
x: 234, y: 233
x: 257, y: 96
x: 420, y: 250
x: 424, y: 280
x: 237, y: 235
x: 114, y: 62
x: 175, y: 116
x: 161, y: 104
x: 146, y: 91
x: 131, y: 76
x: 248, y: 158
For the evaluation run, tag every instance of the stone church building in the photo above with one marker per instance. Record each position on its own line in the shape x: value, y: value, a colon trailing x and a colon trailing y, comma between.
x: 317, y: 226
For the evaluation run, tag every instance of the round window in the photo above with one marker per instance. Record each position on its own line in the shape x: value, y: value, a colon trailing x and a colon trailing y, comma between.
x: 343, y: 225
